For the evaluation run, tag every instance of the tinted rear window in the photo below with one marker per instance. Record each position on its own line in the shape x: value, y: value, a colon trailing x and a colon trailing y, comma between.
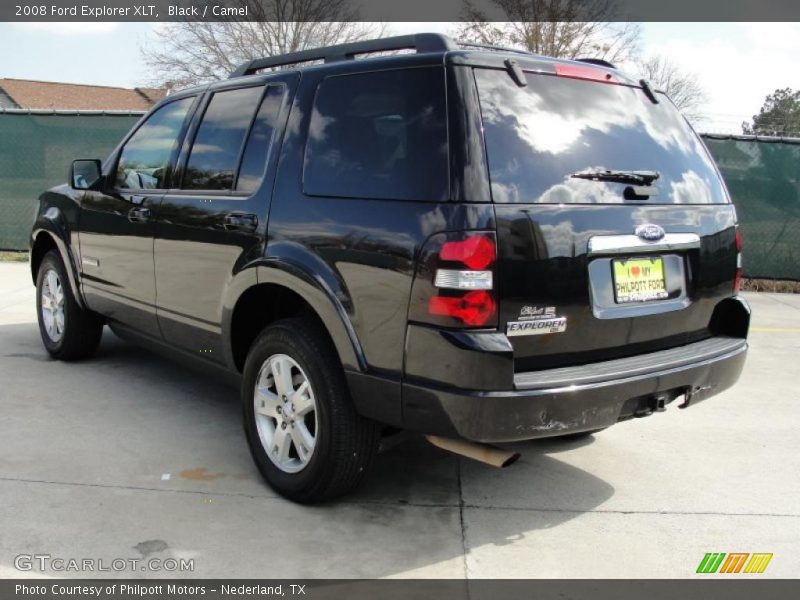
x: 537, y: 136
x: 379, y: 135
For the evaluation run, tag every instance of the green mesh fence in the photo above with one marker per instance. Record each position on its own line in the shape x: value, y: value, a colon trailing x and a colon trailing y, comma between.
x: 763, y: 177
x: 35, y: 153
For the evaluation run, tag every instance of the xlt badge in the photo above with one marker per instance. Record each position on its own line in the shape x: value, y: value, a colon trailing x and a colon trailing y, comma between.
x: 534, y: 320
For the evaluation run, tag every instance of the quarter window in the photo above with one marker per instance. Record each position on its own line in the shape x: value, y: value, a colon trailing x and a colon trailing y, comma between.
x: 218, y: 143
x: 144, y: 161
x: 379, y: 135
x: 256, y: 152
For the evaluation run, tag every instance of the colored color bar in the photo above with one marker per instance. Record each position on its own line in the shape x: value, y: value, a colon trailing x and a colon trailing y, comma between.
x: 703, y: 563
x: 753, y: 561
x: 729, y: 562
x: 734, y: 562
x: 711, y: 562
x: 741, y: 562
x: 717, y: 563
x: 758, y: 563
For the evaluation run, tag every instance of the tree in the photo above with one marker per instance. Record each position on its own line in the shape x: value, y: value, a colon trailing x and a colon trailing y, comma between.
x: 682, y: 87
x: 779, y: 116
x: 558, y: 28
x: 189, y: 53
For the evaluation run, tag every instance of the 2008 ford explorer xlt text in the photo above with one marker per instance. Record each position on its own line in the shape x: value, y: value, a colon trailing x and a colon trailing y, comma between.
x: 474, y: 244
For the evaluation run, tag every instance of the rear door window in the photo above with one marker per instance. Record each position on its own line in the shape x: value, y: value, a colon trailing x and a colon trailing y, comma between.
x: 379, y: 135
x: 539, y: 135
x: 218, y: 143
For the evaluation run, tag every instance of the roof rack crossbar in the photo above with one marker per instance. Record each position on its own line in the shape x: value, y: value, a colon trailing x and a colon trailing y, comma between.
x: 421, y: 42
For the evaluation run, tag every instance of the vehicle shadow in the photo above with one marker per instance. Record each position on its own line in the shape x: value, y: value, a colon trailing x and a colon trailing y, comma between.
x: 145, y: 415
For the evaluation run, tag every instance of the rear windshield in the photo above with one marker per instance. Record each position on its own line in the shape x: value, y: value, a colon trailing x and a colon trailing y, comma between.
x: 539, y: 135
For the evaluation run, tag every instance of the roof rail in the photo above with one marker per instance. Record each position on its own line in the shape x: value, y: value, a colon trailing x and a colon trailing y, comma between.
x: 421, y: 42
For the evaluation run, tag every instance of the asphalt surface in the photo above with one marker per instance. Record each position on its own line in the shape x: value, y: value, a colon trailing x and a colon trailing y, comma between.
x: 128, y: 456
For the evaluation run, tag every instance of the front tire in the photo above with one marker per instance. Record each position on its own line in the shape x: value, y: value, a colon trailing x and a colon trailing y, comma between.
x: 302, y: 429
x: 68, y: 331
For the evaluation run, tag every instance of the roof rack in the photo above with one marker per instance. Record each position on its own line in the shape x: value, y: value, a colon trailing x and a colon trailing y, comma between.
x: 421, y: 42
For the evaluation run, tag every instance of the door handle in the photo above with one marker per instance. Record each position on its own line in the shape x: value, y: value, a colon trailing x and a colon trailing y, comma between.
x: 139, y: 215
x: 240, y: 222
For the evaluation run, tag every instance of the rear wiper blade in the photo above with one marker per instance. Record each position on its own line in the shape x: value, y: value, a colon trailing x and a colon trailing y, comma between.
x: 648, y: 91
x: 634, y: 177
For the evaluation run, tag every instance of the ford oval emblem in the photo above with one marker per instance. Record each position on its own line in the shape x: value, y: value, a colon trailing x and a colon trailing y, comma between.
x: 650, y: 232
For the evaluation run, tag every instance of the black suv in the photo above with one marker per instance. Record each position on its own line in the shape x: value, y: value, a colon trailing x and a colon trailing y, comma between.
x: 471, y: 243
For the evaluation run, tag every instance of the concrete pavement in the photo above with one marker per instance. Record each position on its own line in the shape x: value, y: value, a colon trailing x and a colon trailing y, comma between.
x: 130, y: 456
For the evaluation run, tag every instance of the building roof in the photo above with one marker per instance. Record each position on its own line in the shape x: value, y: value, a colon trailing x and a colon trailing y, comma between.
x: 33, y: 95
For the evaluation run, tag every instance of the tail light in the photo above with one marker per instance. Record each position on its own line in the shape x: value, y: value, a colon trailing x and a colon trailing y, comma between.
x: 476, y: 252
x: 737, y: 280
x: 474, y: 308
x: 454, y: 286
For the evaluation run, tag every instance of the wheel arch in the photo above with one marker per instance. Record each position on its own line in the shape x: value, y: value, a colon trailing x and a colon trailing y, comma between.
x: 50, y: 232
x: 283, y: 290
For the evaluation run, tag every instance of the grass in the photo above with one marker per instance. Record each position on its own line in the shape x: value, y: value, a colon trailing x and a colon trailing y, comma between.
x: 13, y: 256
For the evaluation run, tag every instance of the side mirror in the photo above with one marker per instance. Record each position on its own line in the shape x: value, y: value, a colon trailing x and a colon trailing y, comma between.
x: 84, y: 173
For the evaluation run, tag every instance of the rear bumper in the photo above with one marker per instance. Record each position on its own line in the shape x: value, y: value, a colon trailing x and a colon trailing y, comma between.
x: 570, y: 400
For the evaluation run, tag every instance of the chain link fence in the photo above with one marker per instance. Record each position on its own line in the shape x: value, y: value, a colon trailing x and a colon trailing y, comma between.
x: 36, y: 150
x: 763, y: 177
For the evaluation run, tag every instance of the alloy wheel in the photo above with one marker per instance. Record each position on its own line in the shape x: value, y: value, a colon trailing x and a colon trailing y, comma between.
x: 52, y: 302
x: 286, y: 413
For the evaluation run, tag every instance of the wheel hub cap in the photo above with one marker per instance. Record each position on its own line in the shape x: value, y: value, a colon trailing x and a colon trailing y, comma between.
x: 286, y: 415
x: 52, y: 301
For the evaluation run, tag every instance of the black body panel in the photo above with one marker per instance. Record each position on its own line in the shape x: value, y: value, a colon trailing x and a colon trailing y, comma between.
x: 117, y: 256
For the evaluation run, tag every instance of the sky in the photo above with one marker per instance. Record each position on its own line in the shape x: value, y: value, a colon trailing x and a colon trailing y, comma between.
x: 737, y: 64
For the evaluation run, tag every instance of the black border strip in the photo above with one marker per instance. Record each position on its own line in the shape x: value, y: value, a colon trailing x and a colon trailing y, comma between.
x: 710, y: 587
x: 391, y: 10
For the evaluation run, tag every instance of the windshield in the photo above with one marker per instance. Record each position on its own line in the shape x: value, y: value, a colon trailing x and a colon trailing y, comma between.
x: 539, y: 136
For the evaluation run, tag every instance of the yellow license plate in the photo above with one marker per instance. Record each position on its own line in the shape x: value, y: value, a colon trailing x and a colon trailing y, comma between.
x: 639, y: 280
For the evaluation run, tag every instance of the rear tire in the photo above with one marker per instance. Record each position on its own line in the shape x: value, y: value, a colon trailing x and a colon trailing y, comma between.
x: 303, y: 431
x: 68, y: 331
